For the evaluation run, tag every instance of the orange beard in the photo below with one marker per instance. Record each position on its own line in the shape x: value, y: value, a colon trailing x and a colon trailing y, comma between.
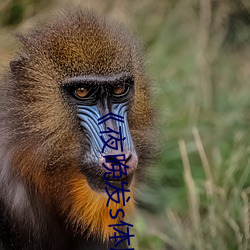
x: 89, y: 210
x: 86, y: 209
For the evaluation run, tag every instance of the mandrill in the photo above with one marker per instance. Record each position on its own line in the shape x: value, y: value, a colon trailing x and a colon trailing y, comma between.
x: 71, y: 75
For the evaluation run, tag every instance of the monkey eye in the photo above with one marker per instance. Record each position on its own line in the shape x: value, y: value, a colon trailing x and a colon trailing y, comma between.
x: 119, y: 89
x: 81, y: 92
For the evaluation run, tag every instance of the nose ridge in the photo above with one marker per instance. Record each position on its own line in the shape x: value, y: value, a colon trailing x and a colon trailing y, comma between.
x: 125, y: 161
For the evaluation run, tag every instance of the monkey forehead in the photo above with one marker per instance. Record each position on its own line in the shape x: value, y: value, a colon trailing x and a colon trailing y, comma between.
x: 81, y: 42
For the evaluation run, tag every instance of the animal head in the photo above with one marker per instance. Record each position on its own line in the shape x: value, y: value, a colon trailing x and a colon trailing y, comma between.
x: 70, y: 74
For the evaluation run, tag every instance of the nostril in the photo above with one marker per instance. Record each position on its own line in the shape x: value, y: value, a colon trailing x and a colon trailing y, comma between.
x: 129, y: 157
x: 110, y: 158
x: 117, y: 168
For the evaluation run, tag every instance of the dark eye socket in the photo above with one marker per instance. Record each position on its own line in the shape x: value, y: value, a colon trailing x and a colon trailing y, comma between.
x: 81, y: 92
x: 119, y: 89
x: 123, y: 87
x: 88, y: 91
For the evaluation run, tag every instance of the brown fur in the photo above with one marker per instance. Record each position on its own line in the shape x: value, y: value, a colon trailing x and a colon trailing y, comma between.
x: 40, y: 135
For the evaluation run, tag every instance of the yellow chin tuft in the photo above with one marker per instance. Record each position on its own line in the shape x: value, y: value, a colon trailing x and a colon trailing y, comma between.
x: 89, y: 211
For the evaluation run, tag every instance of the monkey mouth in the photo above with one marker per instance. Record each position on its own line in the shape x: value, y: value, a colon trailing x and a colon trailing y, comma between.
x: 98, y: 183
x: 119, y: 182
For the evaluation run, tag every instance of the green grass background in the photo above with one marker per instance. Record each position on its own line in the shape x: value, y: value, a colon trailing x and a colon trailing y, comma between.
x: 198, y: 55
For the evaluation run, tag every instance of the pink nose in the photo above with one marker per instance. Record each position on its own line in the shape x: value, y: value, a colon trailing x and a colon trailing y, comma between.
x: 119, y: 162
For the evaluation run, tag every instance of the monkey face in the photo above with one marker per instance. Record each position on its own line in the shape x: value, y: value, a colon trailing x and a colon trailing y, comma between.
x: 101, y: 104
x: 76, y: 105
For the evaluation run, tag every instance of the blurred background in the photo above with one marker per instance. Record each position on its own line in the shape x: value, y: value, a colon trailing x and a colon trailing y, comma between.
x: 196, y: 195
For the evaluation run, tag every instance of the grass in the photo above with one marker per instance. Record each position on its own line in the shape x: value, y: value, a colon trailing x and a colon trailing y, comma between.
x: 200, y: 189
x: 198, y: 192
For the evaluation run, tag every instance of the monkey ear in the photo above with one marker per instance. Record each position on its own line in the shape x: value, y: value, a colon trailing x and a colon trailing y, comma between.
x: 18, y: 63
x: 15, y: 64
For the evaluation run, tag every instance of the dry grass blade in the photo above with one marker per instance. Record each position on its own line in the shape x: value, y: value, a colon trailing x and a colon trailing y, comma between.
x: 192, y: 197
x: 246, y: 220
x: 204, y: 159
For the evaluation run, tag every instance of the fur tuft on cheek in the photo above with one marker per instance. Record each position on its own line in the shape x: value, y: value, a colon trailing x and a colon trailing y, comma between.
x: 88, y: 209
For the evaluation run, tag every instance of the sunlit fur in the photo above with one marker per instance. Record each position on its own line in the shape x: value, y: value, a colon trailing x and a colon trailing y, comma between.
x: 41, y: 142
x: 91, y: 212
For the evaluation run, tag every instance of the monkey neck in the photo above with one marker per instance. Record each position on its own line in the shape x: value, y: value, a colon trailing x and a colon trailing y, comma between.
x: 25, y: 223
x: 26, y: 217
x: 91, y: 212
